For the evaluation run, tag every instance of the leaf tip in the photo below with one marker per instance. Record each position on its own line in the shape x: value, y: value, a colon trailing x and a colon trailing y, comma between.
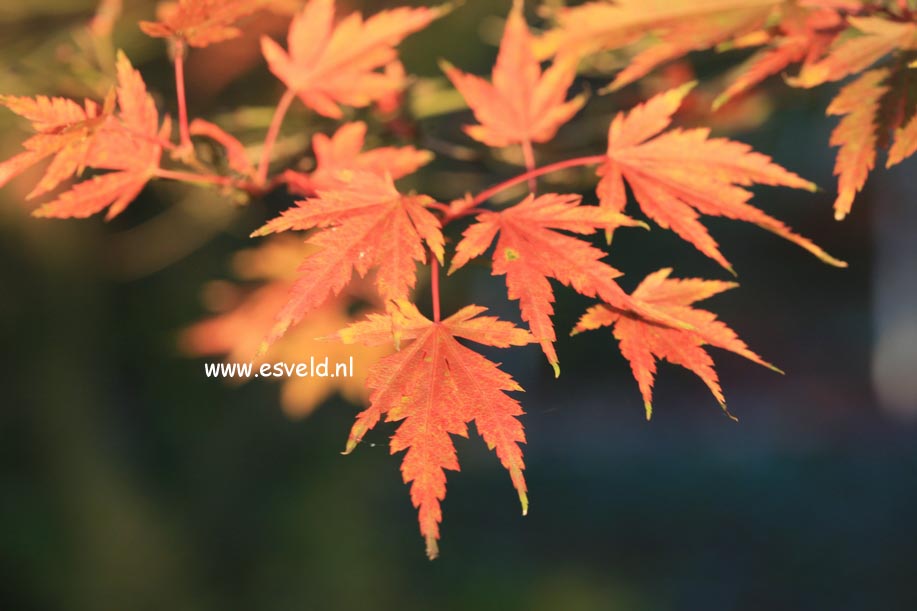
x: 446, y: 7
x: 351, y: 445
x: 432, y: 547
x: 719, y: 101
x: 446, y: 66
x: 832, y: 261
x: 524, y: 501
x: 648, y: 406
x: 556, y: 366
x: 726, y: 411
x: 775, y: 369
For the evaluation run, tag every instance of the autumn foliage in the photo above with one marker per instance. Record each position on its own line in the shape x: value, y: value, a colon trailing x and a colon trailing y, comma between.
x: 354, y: 236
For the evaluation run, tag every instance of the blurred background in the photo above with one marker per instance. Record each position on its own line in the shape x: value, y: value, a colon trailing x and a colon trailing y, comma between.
x: 130, y: 481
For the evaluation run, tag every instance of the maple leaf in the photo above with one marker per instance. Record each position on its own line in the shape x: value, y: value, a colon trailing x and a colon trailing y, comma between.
x: 246, y: 316
x: 905, y: 143
x: 677, y: 175
x: 200, y: 23
x: 643, y: 343
x: 435, y: 387
x: 856, y: 135
x: 129, y: 145
x: 64, y: 129
x: 680, y: 26
x: 128, y: 142
x: 804, y: 37
x: 878, y: 37
x: 529, y: 252
x: 523, y: 105
x: 361, y: 224
x: 338, y: 156
x: 327, y: 65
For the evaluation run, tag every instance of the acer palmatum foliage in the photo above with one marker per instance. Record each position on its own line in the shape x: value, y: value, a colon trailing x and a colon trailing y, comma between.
x: 822, y: 41
x: 352, y: 217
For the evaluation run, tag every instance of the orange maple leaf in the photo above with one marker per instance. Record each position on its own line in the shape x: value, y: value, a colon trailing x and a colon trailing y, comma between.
x: 63, y: 128
x: 131, y: 146
x: 336, y: 157
x: 128, y: 142
x: 680, y: 26
x: 327, y: 65
x: 200, y: 23
x: 522, y: 105
x: 435, y: 387
x: 679, y: 174
x: 643, y: 343
x: 244, y: 317
x: 877, y: 38
x: 803, y: 37
x: 530, y: 251
x: 905, y: 143
x: 361, y: 224
x: 856, y: 135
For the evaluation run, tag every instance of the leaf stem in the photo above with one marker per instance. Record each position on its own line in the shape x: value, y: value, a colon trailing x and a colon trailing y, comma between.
x: 211, y: 179
x: 486, y: 194
x: 434, y: 286
x: 273, y: 131
x: 184, y: 132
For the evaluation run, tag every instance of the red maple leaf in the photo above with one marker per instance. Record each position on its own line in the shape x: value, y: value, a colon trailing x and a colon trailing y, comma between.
x: 643, y: 343
x: 327, y: 65
x: 435, y: 387
x: 530, y: 251
x: 523, y: 105
x: 342, y: 153
x: 199, y: 23
x: 679, y: 174
x: 363, y: 223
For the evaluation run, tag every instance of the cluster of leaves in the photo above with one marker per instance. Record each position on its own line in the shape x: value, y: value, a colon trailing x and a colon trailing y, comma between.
x: 822, y: 41
x: 355, y: 218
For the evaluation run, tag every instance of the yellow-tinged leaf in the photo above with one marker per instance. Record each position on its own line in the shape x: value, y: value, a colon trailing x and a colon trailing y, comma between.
x: 522, y: 104
x: 246, y: 316
x: 531, y: 250
x: 858, y: 103
x: 678, y: 175
x: 643, y: 343
x: 342, y: 154
x: 905, y: 143
x: 328, y: 64
x: 200, y: 23
x: 877, y: 38
x: 435, y: 387
x: 359, y: 225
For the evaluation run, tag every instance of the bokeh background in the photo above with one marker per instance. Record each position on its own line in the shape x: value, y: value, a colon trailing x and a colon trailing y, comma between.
x: 130, y: 481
